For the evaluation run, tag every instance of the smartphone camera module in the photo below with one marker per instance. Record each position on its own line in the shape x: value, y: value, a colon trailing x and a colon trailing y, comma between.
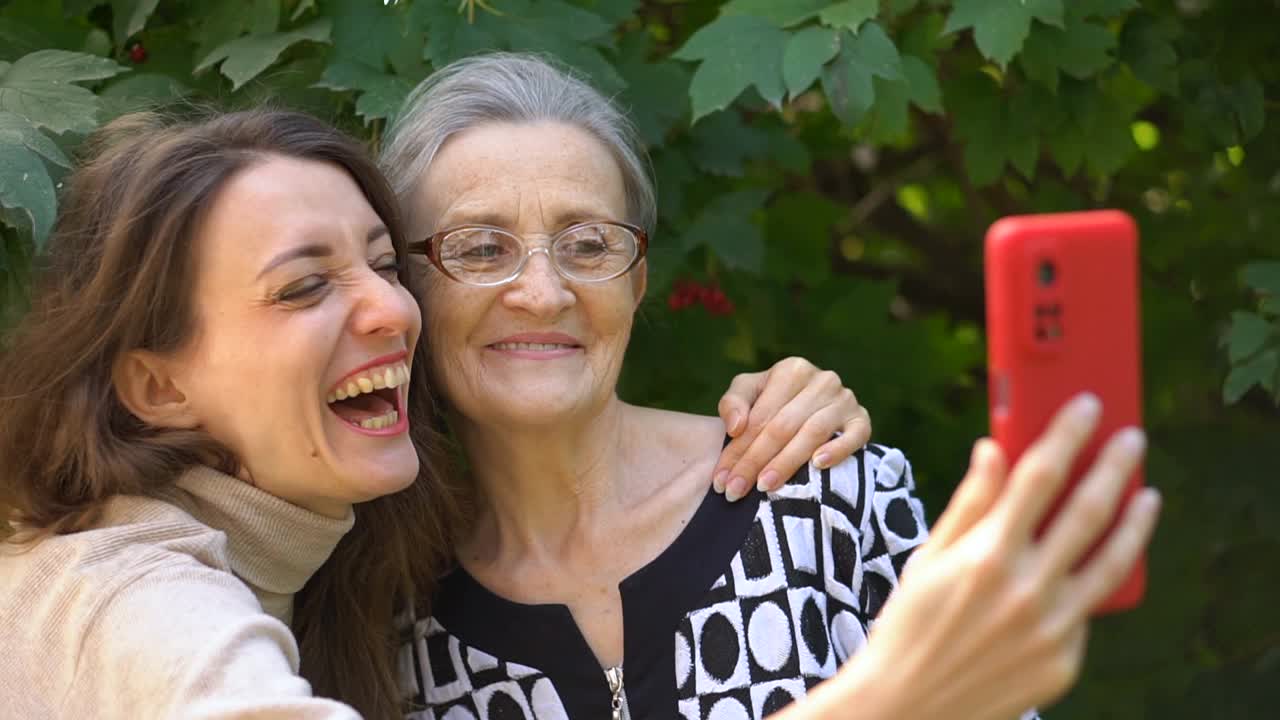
x: 1046, y: 273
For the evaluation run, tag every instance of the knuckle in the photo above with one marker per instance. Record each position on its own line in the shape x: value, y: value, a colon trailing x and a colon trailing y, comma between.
x: 988, y: 568
x: 1092, y: 509
x: 756, y: 421
x: 1050, y: 639
x: 781, y: 429
x: 865, y: 414
x: 1036, y: 465
x: 847, y: 397
x: 1024, y: 605
x: 797, y: 365
x: 1111, y: 571
x: 730, y: 455
x: 829, y: 380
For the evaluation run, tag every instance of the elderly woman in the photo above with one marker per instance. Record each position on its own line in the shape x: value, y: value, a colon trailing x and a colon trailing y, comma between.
x: 600, y: 578
x: 210, y: 429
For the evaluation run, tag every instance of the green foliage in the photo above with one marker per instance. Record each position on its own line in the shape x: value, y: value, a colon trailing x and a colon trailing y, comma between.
x: 247, y: 56
x: 737, y: 52
x: 1253, y: 338
x: 832, y: 166
x: 1000, y: 27
x: 41, y: 87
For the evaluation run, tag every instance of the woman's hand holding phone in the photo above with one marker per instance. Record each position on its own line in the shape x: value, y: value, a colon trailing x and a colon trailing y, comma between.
x: 990, y: 619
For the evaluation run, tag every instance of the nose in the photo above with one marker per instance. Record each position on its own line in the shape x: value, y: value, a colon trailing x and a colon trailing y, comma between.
x: 539, y: 290
x: 383, y: 308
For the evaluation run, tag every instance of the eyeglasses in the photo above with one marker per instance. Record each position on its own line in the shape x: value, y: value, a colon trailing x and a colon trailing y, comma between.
x: 486, y: 256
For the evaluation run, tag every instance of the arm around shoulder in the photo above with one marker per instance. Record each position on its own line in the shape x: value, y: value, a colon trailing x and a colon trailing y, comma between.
x: 190, y: 641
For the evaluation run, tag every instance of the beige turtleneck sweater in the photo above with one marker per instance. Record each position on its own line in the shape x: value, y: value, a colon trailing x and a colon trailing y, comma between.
x: 172, y: 607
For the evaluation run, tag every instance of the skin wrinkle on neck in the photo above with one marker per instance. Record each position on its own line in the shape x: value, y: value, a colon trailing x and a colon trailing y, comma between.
x: 549, y: 491
x: 570, y: 521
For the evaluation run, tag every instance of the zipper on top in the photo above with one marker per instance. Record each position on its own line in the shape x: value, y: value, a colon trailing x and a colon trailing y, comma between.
x: 619, y: 693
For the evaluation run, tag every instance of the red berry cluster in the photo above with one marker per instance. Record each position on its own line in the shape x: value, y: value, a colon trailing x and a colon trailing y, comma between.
x: 138, y: 53
x: 688, y: 292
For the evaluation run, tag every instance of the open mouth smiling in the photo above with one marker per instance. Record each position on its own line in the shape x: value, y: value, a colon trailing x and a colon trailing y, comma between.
x: 371, y: 399
x: 537, y: 345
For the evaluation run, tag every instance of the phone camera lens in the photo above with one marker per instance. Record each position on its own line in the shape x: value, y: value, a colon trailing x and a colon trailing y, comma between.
x: 1047, y: 272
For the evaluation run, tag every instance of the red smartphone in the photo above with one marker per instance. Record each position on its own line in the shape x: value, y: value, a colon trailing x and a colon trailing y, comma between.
x: 1062, y: 318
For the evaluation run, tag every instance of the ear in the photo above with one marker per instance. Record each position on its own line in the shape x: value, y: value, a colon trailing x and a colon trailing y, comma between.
x: 145, y: 384
x: 639, y: 282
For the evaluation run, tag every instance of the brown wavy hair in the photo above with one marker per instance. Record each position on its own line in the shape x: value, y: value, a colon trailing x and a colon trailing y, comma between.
x: 116, y: 276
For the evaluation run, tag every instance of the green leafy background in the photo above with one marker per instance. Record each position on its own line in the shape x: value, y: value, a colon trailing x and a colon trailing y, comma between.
x: 832, y: 166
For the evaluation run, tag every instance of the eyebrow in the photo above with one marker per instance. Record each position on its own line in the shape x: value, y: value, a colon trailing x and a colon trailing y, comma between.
x: 570, y: 216
x: 317, y: 250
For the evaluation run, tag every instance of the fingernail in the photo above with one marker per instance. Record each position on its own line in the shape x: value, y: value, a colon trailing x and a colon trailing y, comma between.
x: 734, y: 421
x: 821, y: 460
x: 737, y: 488
x: 717, y: 482
x: 1134, y: 440
x: 767, y: 481
x: 1148, y: 499
x: 1154, y: 499
x: 1088, y: 406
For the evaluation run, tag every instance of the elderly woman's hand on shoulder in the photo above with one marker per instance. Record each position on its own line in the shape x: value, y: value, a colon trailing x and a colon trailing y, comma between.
x: 990, y: 619
x: 781, y: 419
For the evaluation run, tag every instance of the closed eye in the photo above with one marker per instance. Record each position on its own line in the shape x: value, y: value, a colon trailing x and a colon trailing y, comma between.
x: 302, y: 289
x: 388, y: 267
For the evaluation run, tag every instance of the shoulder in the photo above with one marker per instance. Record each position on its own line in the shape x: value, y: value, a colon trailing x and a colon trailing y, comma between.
x: 144, y: 555
x: 874, y: 468
x: 888, y: 465
x: 136, y: 603
x: 178, y: 609
x: 872, y: 491
x: 169, y: 572
x: 185, y: 638
x: 676, y: 432
x: 133, y: 536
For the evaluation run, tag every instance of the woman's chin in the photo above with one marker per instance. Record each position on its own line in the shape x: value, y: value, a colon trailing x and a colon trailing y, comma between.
x: 553, y: 412
x: 375, y: 475
x: 372, y: 488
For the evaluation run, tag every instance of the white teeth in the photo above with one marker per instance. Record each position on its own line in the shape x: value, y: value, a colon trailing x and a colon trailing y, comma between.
x: 531, y: 346
x: 381, y: 421
x: 389, y: 376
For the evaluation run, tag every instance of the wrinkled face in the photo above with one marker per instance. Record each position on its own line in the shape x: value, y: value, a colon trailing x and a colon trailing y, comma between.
x: 541, y: 349
x: 300, y: 359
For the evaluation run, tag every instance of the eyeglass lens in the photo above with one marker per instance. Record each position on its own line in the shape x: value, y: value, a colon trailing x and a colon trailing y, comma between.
x: 598, y: 251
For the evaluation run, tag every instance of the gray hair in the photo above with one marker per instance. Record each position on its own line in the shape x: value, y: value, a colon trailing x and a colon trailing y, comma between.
x: 513, y: 88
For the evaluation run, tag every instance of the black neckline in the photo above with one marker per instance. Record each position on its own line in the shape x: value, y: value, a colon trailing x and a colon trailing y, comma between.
x: 655, y: 599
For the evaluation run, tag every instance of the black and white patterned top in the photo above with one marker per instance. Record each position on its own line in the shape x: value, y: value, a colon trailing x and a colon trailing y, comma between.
x: 754, y: 603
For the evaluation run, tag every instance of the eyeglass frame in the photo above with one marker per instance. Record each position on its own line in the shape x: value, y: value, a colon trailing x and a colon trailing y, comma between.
x: 430, y: 247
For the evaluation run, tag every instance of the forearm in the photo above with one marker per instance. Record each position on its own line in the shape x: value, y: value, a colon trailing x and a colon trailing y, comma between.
x: 854, y: 692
